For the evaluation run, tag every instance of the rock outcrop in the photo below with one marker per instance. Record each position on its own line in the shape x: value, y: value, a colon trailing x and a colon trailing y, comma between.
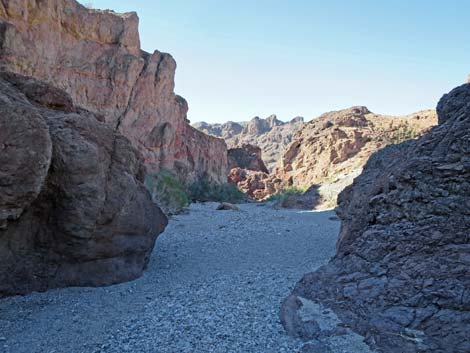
x: 270, y: 134
x: 401, y: 275
x: 330, y: 151
x: 95, y: 56
x: 255, y: 184
x: 246, y: 157
x: 73, y: 209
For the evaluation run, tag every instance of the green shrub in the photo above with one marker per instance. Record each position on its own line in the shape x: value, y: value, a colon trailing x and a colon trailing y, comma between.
x: 167, y: 191
x: 287, y: 192
x: 402, y: 134
x: 205, y: 190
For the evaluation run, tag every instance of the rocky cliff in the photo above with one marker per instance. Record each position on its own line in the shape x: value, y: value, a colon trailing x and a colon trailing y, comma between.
x: 95, y: 56
x: 73, y: 209
x: 330, y: 151
x: 401, y: 273
x: 270, y: 134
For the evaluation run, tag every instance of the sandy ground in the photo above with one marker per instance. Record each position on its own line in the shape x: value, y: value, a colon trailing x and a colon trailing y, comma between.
x: 214, y: 284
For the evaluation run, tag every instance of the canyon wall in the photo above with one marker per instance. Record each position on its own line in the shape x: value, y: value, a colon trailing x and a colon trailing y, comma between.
x: 95, y: 56
x: 400, y: 275
x: 270, y: 134
x: 330, y: 151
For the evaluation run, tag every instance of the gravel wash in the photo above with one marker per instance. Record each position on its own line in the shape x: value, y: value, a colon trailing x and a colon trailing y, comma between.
x: 214, y: 284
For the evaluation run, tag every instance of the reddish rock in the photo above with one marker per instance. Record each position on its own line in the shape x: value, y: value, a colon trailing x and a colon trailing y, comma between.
x: 255, y: 184
x: 73, y: 209
x: 95, y: 56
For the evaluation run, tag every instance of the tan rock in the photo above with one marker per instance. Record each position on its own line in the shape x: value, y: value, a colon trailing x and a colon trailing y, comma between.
x: 330, y: 151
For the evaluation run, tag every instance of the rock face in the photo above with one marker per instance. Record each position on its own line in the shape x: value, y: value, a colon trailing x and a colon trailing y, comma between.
x: 270, y: 134
x: 73, y: 209
x: 330, y: 151
x: 246, y: 157
x: 257, y: 185
x: 401, y: 273
x: 95, y: 56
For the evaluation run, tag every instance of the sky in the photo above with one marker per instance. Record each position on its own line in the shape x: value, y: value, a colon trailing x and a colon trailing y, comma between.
x: 246, y: 58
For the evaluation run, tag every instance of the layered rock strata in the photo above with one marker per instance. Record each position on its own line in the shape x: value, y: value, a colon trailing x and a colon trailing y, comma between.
x: 95, y: 56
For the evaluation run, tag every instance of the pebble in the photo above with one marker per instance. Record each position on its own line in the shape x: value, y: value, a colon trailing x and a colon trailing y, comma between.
x: 221, y: 293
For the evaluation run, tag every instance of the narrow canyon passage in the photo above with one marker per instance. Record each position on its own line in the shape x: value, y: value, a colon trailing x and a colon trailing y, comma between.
x: 214, y: 284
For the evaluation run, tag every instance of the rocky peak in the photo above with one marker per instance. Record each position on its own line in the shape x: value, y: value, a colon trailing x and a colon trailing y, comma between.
x: 297, y: 120
x: 273, y: 121
x: 270, y: 134
x: 225, y: 131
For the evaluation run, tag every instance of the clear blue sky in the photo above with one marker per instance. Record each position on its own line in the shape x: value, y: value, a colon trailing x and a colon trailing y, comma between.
x: 238, y: 59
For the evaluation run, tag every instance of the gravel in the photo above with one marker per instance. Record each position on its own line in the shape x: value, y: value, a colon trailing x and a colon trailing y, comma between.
x: 214, y: 284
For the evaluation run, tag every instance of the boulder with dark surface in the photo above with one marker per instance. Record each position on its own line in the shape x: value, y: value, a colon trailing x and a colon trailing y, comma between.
x: 401, y: 275
x: 73, y: 209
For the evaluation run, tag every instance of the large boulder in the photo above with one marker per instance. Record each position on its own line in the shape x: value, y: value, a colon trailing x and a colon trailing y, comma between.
x: 401, y: 275
x: 73, y: 209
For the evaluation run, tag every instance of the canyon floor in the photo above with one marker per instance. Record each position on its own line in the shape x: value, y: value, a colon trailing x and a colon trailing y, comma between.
x: 214, y: 284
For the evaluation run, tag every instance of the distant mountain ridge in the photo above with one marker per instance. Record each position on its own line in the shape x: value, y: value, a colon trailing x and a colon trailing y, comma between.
x: 270, y: 134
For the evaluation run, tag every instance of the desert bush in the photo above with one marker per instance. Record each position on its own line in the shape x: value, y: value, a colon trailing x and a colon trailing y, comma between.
x: 205, y: 190
x: 402, y: 134
x: 287, y: 192
x: 167, y: 191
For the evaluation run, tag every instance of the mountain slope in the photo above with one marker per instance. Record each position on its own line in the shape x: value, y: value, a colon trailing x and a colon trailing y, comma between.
x: 330, y: 151
x: 270, y: 134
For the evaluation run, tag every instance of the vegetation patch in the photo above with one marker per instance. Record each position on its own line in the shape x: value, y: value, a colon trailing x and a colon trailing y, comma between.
x: 286, y: 193
x: 167, y: 191
x: 205, y: 190
x: 402, y: 134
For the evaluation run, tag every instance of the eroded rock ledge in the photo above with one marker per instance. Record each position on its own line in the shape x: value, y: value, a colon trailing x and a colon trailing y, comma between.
x: 95, y: 56
x: 73, y: 209
x: 401, y: 273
